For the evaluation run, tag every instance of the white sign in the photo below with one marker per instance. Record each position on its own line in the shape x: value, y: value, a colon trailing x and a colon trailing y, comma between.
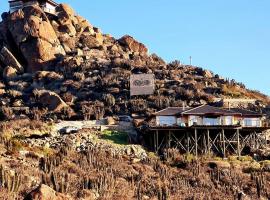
x: 142, y: 84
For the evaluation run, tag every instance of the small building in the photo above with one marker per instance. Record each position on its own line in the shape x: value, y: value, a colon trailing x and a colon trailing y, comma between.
x: 48, y: 6
x: 207, y: 116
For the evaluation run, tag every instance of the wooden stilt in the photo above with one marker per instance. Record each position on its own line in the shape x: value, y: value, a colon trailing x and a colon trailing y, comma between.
x: 155, y: 141
x: 188, y: 143
x: 238, y: 142
x: 224, y: 143
x: 265, y: 138
x: 196, y: 143
x: 169, y: 140
x: 208, y: 142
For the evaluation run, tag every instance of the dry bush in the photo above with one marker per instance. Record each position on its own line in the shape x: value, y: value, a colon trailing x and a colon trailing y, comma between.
x: 14, y: 93
x: 138, y: 105
x: 7, y: 113
x: 78, y: 76
x: 108, y: 99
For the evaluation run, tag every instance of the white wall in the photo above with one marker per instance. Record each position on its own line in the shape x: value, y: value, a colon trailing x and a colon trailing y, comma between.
x: 194, y: 119
x: 166, y: 120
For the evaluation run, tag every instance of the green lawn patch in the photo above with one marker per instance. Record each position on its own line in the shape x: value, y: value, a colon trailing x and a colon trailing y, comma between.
x: 115, y: 137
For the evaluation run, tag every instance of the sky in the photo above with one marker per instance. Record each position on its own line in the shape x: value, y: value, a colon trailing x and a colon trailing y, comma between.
x: 229, y: 37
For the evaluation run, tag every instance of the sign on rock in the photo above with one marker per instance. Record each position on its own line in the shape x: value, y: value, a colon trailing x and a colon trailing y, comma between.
x: 142, y: 84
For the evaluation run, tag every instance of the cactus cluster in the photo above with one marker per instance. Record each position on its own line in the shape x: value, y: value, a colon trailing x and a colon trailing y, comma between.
x: 11, y: 182
x: 48, y: 164
x: 260, y: 181
x: 59, y: 182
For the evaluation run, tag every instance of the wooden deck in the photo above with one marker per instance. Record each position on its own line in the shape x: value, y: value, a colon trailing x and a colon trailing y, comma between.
x: 220, y: 140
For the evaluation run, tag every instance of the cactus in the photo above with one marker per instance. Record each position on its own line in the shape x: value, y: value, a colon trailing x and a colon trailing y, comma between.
x: 11, y: 183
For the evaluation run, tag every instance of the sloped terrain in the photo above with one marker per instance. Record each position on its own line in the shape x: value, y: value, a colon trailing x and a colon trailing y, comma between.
x: 63, y: 67
x: 85, y: 166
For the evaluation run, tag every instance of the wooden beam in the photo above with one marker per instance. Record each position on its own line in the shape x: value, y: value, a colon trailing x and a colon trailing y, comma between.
x: 155, y: 141
x: 196, y: 143
x: 188, y: 143
x: 208, y: 142
x: 169, y: 140
x: 238, y: 142
x: 223, y: 143
x: 265, y: 137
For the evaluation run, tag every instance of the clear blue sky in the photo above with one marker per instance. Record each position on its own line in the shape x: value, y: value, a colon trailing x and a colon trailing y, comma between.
x: 229, y: 37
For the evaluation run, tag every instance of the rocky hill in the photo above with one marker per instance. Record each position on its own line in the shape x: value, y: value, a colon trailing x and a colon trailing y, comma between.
x: 63, y: 67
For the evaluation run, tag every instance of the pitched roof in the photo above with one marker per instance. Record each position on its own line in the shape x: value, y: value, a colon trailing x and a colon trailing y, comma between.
x: 245, y: 112
x: 210, y: 110
x: 171, y: 111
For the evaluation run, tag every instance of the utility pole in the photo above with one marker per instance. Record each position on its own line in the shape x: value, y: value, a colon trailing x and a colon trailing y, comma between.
x: 190, y: 60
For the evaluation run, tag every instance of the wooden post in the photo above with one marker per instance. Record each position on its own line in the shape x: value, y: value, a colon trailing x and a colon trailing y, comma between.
x: 208, y: 142
x: 224, y: 143
x: 188, y: 142
x: 196, y: 143
x: 156, y: 141
x: 265, y: 137
x: 169, y: 140
x: 238, y: 143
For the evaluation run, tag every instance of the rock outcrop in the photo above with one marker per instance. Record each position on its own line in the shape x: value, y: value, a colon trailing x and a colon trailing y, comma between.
x: 52, y: 101
x: 132, y: 44
x: 44, y: 192
x: 9, y: 59
x: 35, y: 37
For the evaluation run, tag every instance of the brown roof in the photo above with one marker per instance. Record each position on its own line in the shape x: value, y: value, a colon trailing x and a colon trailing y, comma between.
x: 171, y: 111
x: 210, y: 110
x: 206, y: 110
x: 248, y: 113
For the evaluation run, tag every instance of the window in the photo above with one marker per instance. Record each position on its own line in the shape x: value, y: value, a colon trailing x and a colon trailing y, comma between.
x: 193, y: 120
x: 166, y: 120
x: 227, y: 120
x: 252, y: 122
x: 210, y: 121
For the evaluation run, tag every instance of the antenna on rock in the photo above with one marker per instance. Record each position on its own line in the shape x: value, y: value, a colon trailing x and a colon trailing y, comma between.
x: 190, y: 60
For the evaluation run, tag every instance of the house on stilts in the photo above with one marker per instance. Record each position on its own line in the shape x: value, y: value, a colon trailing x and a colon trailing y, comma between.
x: 207, y: 130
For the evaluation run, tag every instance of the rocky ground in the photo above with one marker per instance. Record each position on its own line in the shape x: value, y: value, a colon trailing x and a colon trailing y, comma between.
x: 63, y: 67
x: 38, y: 163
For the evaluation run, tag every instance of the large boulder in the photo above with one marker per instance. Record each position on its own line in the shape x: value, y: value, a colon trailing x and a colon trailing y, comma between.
x: 10, y: 73
x: 44, y: 192
x: 35, y: 37
x: 132, y: 44
x: 66, y: 14
x: 52, y: 101
x: 9, y: 59
x: 91, y: 41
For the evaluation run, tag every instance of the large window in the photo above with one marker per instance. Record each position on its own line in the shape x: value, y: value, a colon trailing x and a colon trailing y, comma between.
x: 227, y: 120
x: 252, y: 122
x: 211, y: 121
x: 166, y: 120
